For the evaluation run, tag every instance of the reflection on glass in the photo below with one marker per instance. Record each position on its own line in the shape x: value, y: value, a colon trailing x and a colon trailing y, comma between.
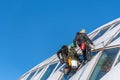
x: 48, y: 72
x: 100, y: 33
x: 31, y: 75
x: 104, y: 64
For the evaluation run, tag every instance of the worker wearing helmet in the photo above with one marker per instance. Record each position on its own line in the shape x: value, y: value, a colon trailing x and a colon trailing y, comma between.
x: 82, y: 40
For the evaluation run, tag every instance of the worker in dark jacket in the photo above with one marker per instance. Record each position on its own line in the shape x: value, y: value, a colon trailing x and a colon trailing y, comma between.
x: 82, y: 40
x: 63, y: 53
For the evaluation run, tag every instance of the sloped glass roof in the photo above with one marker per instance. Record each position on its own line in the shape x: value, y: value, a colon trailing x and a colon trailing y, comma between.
x: 101, y: 63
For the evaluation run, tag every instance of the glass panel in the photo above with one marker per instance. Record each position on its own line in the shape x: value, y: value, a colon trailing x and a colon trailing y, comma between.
x: 48, y: 71
x: 31, y: 75
x: 118, y: 36
x: 94, y: 53
x: 104, y: 64
x: 67, y: 77
x: 59, y: 65
x: 115, y: 25
x: 117, y: 61
x: 100, y: 33
x: 39, y: 71
x: 89, y: 56
x: 91, y: 35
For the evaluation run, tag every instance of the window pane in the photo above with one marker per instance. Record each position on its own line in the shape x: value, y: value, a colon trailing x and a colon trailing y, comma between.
x: 118, y: 36
x: 65, y: 76
x: 39, y: 71
x: 118, y: 60
x: 31, y: 75
x: 59, y: 66
x: 48, y: 71
x: 100, y: 33
x: 104, y: 64
x: 115, y: 25
x: 94, y: 53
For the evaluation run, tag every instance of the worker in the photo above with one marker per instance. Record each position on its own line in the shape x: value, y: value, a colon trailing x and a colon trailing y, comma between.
x: 63, y: 53
x: 82, y: 40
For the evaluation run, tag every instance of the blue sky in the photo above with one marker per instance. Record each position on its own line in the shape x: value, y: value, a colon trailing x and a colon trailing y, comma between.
x: 33, y: 30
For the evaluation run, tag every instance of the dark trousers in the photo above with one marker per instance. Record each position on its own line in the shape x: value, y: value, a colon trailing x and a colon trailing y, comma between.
x: 86, y: 52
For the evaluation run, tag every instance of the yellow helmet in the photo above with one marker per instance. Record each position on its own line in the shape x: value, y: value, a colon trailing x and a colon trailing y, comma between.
x: 83, y: 31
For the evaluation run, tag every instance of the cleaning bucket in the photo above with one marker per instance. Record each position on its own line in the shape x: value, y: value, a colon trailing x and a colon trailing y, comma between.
x: 74, y: 64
